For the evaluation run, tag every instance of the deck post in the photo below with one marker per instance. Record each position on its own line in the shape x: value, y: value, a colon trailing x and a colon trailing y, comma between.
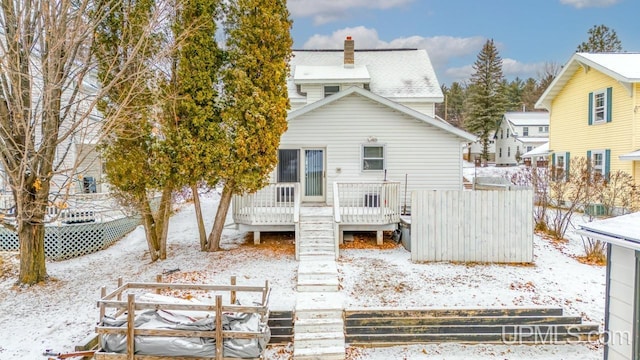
x: 256, y: 237
x: 379, y: 237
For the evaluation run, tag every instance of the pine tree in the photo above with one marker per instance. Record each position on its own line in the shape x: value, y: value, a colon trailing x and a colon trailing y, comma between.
x: 486, y: 99
x: 601, y: 39
x: 255, y: 114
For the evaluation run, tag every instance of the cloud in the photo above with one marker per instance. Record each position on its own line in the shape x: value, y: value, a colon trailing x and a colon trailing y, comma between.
x: 325, y: 11
x: 579, y: 4
x: 512, y: 68
x: 441, y: 49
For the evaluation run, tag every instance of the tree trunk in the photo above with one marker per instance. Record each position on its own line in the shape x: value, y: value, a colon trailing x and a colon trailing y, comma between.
x: 201, y: 230
x: 221, y: 216
x: 150, y: 230
x: 32, y: 261
x: 164, y: 214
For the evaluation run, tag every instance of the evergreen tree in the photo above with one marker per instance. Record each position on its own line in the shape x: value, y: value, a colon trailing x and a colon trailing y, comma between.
x: 193, y: 106
x: 513, y: 93
x: 255, y: 114
x: 530, y: 94
x: 601, y: 39
x: 135, y: 152
x: 486, y: 99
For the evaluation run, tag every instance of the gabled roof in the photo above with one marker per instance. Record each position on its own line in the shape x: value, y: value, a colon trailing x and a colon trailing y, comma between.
x: 384, y: 101
x: 542, y: 150
x: 623, y: 67
x: 393, y: 73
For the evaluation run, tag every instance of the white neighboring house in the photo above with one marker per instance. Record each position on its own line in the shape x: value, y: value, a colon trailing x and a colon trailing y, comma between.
x: 518, y: 133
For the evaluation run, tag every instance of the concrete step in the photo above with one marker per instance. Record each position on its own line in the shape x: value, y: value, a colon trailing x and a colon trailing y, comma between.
x: 317, y: 257
x: 314, y: 251
x: 319, y: 305
x: 327, y: 353
x: 315, y: 285
x: 317, y: 233
x: 317, y: 246
x: 318, y: 340
x: 319, y: 325
x: 318, y: 267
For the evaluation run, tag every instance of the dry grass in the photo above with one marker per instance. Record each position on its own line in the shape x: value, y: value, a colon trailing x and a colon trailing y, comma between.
x: 367, y: 240
x: 9, y: 265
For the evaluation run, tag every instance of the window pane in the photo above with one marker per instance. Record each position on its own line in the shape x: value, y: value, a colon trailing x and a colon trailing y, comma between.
x: 373, y: 152
x: 331, y: 89
x: 370, y: 164
x: 288, y: 170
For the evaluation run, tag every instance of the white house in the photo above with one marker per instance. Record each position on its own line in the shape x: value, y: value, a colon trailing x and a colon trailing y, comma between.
x: 518, y: 133
x: 367, y: 115
x: 622, y: 302
x: 473, y: 150
x: 363, y: 120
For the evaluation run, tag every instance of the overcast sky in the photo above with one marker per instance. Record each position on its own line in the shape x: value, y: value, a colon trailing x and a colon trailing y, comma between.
x: 528, y: 33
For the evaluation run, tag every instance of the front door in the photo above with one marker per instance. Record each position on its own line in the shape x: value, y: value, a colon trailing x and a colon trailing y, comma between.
x: 313, y: 183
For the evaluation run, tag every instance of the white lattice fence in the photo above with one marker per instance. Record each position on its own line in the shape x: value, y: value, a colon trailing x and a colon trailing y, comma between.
x: 73, y: 240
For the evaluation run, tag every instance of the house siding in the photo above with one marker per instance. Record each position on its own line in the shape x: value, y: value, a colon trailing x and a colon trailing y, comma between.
x: 430, y: 157
x: 427, y: 108
x: 569, y: 128
x: 621, y: 298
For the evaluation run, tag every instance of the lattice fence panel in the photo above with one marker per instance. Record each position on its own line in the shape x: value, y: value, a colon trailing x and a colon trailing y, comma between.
x: 73, y: 240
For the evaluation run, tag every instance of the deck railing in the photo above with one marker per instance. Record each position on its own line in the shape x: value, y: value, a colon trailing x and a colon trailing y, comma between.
x: 367, y: 202
x: 275, y: 204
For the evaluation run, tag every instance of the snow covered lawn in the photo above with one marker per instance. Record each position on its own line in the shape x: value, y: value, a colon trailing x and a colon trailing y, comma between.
x: 61, y: 313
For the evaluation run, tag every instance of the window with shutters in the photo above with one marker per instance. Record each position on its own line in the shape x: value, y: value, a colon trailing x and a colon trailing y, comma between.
x: 600, y: 106
x: 599, y: 161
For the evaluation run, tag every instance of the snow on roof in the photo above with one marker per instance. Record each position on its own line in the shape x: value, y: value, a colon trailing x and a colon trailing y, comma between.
x: 542, y: 150
x: 532, y: 118
x: 634, y: 155
x: 394, y: 73
x: 627, y: 65
x: 622, y: 230
x: 528, y: 140
x: 305, y: 74
x: 623, y: 67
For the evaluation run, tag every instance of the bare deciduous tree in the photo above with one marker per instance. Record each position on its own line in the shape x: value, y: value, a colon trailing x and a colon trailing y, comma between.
x: 47, y: 99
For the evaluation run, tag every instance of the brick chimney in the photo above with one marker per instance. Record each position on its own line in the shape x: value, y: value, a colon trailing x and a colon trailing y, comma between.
x: 349, y: 47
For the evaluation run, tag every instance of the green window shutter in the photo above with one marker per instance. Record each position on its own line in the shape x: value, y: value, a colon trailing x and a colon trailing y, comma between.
x: 609, y: 101
x: 553, y: 165
x: 567, y: 162
x: 590, y: 108
x: 607, y: 165
x: 589, y: 160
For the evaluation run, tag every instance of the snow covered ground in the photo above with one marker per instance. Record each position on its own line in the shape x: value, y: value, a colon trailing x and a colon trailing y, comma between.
x: 61, y: 313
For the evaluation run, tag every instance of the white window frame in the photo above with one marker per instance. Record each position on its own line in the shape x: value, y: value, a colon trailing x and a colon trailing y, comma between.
x: 525, y: 131
x: 383, y: 158
x: 599, y: 109
x: 324, y: 89
x: 600, y: 168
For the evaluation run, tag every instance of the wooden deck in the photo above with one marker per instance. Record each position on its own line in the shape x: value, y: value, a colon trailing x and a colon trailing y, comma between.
x: 355, y: 206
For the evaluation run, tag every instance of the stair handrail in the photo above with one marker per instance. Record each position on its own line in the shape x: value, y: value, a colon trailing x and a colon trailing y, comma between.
x: 336, y: 203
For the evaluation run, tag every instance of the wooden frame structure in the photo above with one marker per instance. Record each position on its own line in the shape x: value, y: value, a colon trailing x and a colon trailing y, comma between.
x: 123, y: 301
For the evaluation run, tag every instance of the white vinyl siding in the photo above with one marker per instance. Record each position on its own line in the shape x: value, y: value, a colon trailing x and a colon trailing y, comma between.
x: 621, y: 299
x: 428, y: 156
x: 427, y: 108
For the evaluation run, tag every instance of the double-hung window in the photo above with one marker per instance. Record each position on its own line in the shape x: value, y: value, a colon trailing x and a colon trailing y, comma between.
x: 372, y: 157
x: 525, y: 131
x: 599, y: 162
x: 600, y: 106
x: 560, y: 165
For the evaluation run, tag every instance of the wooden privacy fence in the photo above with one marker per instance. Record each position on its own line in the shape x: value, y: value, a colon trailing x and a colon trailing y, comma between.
x: 472, y: 226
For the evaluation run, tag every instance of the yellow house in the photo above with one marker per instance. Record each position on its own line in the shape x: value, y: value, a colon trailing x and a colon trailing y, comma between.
x: 594, y: 107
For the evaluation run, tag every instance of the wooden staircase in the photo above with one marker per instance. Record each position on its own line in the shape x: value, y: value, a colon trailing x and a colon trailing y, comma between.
x: 373, y: 328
